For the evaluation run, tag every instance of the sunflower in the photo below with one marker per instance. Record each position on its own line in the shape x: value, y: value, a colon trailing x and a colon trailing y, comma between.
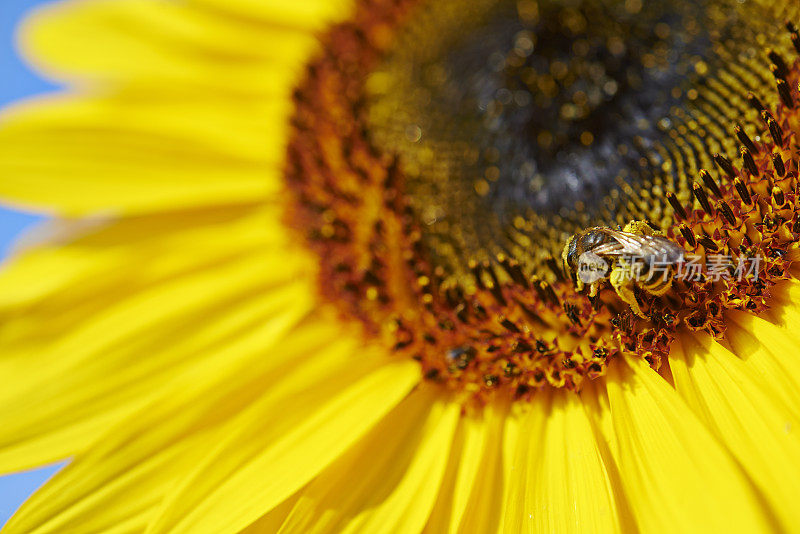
x: 303, y: 271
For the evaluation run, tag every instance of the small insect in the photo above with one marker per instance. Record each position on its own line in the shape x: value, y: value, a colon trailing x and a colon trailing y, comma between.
x: 634, y: 256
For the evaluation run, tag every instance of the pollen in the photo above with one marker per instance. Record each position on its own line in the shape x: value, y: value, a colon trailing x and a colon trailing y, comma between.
x: 440, y: 235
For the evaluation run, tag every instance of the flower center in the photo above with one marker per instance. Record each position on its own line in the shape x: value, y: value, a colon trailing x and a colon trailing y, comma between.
x: 517, y: 123
x: 442, y: 155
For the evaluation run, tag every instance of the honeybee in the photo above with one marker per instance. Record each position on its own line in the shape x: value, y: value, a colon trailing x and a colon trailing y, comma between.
x: 635, y: 255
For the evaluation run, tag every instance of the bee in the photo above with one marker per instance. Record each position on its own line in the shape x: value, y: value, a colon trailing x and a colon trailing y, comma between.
x: 634, y: 256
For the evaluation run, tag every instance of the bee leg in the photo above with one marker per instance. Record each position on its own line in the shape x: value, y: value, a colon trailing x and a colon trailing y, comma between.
x: 594, y: 288
x: 623, y: 284
x: 579, y: 284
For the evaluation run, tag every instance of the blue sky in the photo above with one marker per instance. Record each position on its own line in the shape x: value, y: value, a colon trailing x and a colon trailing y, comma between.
x: 17, y: 82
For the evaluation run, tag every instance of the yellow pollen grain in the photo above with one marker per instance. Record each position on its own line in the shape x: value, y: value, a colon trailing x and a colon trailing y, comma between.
x: 545, y: 139
x: 327, y: 230
x: 482, y: 187
x: 633, y: 6
x: 662, y: 30
x: 701, y: 67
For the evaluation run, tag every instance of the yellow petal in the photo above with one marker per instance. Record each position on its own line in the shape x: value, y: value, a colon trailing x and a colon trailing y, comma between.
x: 237, y: 128
x: 271, y: 522
x: 512, y: 501
x: 594, y: 398
x: 399, y: 464
x: 278, y: 452
x: 91, y: 343
x: 119, y: 328
x: 78, y: 157
x: 67, y: 262
x: 518, y: 516
x: 749, y: 420
x: 56, y: 417
x: 767, y: 351
x: 471, y: 494
x: 562, y: 482
x: 408, y: 504
x: 676, y: 475
x: 478, y: 499
x: 309, y: 14
x: 163, y: 42
x: 104, y: 156
x: 75, y: 503
x: 130, y: 469
x: 785, y: 311
x: 468, y: 437
x: 572, y: 490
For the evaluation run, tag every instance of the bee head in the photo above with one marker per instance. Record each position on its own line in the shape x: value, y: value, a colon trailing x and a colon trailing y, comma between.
x: 569, y: 256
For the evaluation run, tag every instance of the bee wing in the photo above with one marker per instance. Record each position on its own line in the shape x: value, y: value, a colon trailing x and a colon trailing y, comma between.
x: 626, y: 243
x: 614, y: 248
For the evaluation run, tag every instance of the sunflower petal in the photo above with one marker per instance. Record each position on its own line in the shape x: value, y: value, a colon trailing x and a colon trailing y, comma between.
x: 512, y: 471
x: 764, y: 348
x: 518, y: 516
x: 165, y: 43
x: 127, y: 501
x: 676, y: 475
x: 478, y: 504
x: 594, y: 397
x: 229, y: 490
x: 124, y: 155
x: 271, y: 522
x: 468, y: 439
x: 55, y: 418
x: 785, y: 311
x: 565, y: 487
x: 309, y: 14
x: 400, y: 464
x: 471, y: 494
x: 65, y: 262
x: 221, y: 127
x: 572, y: 490
x: 752, y: 423
x: 78, y: 376
x: 147, y: 454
